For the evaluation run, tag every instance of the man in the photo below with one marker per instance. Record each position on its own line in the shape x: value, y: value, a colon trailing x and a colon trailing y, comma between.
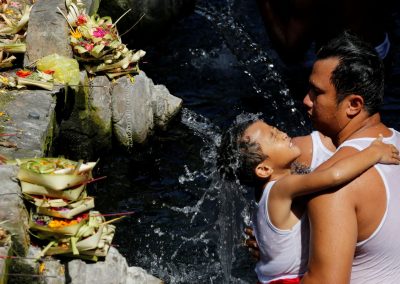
x: 354, y: 228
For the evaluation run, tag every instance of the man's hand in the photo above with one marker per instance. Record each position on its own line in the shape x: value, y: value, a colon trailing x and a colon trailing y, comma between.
x: 251, y: 243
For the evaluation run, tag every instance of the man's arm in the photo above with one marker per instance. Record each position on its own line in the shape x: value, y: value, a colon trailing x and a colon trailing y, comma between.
x: 334, y: 228
x: 333, y: 239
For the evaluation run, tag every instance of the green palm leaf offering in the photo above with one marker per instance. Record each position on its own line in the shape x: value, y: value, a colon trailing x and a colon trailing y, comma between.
x: 14, y: 17
x: 61, y: 216
x: 97, y: 44
x: 54, y: 173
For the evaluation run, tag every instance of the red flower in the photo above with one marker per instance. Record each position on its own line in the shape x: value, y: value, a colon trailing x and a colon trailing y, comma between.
x: 50, y: 72
x: 23, y: 73
x: 81, y: 20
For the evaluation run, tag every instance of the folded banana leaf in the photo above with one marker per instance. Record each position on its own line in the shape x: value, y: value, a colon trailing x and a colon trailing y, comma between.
x: 96, y: 245
x: 92, y: 239
x: 71, y: 194
x: 55, y: 173
x: 104, y: 243
x: 70, y: 210
x: 88, y: 243
x: 39, y: 201
x: 51, y: 227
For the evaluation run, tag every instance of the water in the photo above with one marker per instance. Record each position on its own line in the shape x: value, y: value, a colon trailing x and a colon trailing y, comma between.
x: 188, y: 226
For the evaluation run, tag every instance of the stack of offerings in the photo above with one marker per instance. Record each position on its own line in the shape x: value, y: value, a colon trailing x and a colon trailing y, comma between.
x: 62, y: 214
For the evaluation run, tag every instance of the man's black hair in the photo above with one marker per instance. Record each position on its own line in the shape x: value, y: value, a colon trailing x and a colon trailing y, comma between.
x: 360, y: 70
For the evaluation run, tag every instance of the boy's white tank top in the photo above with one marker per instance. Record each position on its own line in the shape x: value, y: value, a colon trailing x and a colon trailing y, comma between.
x: 377, y: 259
x: 283, y: 253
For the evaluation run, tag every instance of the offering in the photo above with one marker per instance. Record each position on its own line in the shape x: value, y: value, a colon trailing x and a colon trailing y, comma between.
x: 71, y: 193
x: 55, y: 173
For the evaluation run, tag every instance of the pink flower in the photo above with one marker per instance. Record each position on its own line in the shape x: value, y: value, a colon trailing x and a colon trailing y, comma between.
x: 81, y: 20
x: 15, y: 5
x: 99, y: 32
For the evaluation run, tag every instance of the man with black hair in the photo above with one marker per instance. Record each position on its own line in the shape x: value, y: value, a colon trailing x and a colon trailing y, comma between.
x: 354, y: 228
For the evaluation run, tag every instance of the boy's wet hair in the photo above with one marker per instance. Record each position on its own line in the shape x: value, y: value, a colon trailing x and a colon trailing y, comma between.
x: 237, y: 155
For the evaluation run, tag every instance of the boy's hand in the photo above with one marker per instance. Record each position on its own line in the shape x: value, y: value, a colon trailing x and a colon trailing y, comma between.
x: 389, y: 154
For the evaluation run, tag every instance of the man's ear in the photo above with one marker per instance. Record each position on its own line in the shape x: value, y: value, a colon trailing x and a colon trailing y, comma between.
x: 355, y: 104
x: 263, y: 171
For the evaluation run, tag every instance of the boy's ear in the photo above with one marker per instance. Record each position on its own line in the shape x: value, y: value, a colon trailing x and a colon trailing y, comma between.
x: 263, y: 171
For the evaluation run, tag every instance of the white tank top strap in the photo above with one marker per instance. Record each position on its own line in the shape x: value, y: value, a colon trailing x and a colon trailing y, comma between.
x: 320, y: 152
x: 264, y: 199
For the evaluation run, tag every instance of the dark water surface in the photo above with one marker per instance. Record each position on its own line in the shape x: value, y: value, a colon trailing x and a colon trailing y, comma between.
x: 188, y: 226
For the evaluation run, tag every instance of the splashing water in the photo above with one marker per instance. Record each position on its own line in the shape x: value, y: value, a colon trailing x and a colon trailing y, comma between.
x: 189, y: 224
x: 258, y: 66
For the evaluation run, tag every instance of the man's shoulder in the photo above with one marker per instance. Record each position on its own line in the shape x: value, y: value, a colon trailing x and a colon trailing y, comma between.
x: 342, y: 194
x: 351, y: 193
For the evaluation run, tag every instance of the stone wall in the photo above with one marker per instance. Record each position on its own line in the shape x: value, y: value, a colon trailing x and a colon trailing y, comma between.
x: 86, y: 121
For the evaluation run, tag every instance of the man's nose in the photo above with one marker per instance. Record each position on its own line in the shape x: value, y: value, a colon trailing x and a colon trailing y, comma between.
x: 307, y: 101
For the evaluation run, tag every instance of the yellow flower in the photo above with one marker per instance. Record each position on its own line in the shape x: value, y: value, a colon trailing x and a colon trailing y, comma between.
x: 9, y: 12
x: 4, y: 80
x: 76, y: 34
x: 42, y: 267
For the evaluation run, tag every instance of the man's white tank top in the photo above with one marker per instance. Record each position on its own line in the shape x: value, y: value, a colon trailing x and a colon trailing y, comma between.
x: 377, y: 259
x: 320, y: 152
x: 284, y: 253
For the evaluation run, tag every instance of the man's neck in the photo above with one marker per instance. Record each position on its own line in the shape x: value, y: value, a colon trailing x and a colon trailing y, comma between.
x: 356, y: 128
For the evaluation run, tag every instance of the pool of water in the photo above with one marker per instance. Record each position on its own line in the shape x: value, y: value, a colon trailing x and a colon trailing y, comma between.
x: 188, y: 224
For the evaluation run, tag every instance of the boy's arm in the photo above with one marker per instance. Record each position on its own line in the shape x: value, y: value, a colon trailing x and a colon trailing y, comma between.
x: 345, y: 170
x: 339, y: 173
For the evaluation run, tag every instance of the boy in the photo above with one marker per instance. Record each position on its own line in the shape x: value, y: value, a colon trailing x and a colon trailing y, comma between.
x: 264, y: 156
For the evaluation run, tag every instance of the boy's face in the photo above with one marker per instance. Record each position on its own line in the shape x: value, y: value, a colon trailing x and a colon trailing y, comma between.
x: 274, y: 143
